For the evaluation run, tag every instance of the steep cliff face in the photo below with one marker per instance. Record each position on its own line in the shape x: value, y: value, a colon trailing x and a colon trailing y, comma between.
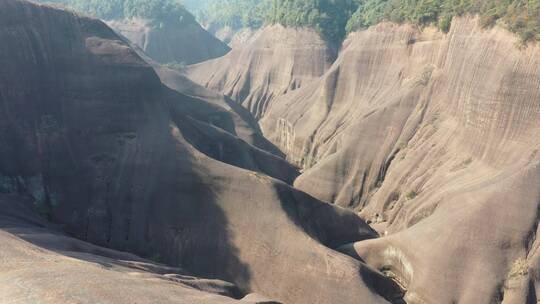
x: 274, y: 61
x: 434, y: 138
x: 166, y: 42
x: 93, y: 139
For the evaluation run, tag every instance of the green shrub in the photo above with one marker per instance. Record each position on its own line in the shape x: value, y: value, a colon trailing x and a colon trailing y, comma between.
x: 519, y: 268
x: 411, y: 195
x: 445, y: 23
x: 368, y: 13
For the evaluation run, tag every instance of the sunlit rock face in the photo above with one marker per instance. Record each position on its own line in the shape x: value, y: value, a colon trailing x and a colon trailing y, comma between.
x: 265, y: 65
x: 434, y: 139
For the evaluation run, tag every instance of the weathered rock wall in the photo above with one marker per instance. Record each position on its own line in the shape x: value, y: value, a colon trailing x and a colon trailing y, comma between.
x: 274, y: 61
x: 434, y: 138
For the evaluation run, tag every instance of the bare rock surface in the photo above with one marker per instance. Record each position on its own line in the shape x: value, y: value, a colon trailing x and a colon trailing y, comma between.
x: 434, y: 139
x: 240, y: 121
x: 91, y: 136
x: 39, y: 264
x: 272, y: 62
x: 242, y: 37
x: 244, y: 125
x: 431, y: 138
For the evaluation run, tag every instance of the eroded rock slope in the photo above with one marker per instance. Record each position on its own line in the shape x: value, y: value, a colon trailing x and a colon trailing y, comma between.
x: 40, y: 264
x: 434, y: 139
x: 98, y: 145
x: 274, y: 61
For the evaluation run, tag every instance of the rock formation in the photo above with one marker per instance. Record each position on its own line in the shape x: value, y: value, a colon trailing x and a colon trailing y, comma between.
x: 434, y: 139
x: 163, y: 33
x: 274, y: 61
x: 40, y: 264
x: 96, y: 143
x: 166, y: 42
x: 430, y: 137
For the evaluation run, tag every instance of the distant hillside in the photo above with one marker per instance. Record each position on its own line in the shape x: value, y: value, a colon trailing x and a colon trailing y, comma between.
x: 335, y: 18
x: 118, y: 9
x: 235, y: 14
x: 328, y: 17
x: 332, y: 18
x: 159, y: 27
x: 519, y: 16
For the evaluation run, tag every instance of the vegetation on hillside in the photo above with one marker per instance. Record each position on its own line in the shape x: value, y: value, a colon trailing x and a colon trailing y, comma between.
x: 233, y: 13
x: 328, y: 17
x: 519, y: 16
x: 332, y: 18
x: 519, y: 268
x: 117, y: 9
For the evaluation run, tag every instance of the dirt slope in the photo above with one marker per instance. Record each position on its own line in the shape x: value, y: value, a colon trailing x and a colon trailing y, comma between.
x: 434, y: 138
x: 101, y: 147
x: 274, y: 61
